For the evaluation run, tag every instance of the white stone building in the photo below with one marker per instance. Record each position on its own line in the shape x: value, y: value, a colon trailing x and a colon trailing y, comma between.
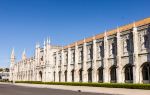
x: 121, y: 55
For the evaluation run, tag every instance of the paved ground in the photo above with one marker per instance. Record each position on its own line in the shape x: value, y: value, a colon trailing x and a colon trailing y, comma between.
x: 114, y: 91
x: 8, y: 89
x: 41, y: 89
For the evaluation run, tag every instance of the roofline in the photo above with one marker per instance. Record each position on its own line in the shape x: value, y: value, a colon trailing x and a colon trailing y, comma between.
x: 111, y: 32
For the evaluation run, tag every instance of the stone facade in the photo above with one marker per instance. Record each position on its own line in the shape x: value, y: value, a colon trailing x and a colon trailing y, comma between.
x: 121, y: 55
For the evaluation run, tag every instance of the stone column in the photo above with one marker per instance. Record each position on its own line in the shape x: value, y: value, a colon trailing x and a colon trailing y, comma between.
x: 76, y: 78
x: 94, y: 73
x: 47, y: 65
x: 62, y: 66
x: 27, y: 72
x: 119, y: 68
x: 46, y: 73
x: 33, y: 75
x: 43, y: 75
x: 56, y: 68
x: 135, y: 56
x: 36, y: 75
x: 106, y: 69
x: 69, y: 68
x: 84, y: 62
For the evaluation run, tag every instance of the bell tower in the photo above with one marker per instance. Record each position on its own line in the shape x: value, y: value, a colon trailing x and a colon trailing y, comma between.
x: 12, y: 57
x: 12, y: 62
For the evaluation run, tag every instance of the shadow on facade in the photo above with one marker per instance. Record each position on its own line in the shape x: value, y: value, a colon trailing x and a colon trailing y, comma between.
x: 41, y: 75
x: 145, y: 67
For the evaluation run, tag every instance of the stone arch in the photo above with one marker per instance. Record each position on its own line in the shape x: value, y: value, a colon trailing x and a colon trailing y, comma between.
x: 128, y: 73
x: 31, y: 74
x: 113, y: 74
x: 100, y: 74
x: 80, y: 75
x: 59, y: 75
x: 40, y: 75
x: 65, y: 73
x: 54, y: 76
x: 89, y: 74
x: 72, y: 75
x: 145, y: 71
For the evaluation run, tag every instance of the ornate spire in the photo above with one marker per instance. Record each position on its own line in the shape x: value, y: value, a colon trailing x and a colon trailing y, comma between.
x: 49, y: 40
x: 13, y: 54
x: 76, y: 43
x: 105, y: 34
x: 37, y: 45
x: 44, y: 42
x: 118, y: 30
x: 24, y: 55
x: 134, y: 27
x: 134, y: 24
x: 93, y: 37
x: 84, y: 40
x: 118, y: 33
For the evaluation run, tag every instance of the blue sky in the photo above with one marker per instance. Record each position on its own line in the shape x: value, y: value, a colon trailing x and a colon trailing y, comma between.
x: 25, y: 22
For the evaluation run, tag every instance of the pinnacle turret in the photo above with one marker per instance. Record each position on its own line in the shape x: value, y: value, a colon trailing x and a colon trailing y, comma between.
x: 24, y: 55
x: 37, y: 45
x: 48, y: 40
x: 13, y: 54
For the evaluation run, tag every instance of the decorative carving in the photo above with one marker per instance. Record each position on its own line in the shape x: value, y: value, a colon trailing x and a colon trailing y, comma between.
x: 80, y: 55
x: 72, y: 56
x: 144, y: 39
x: 89, y: 53
x: 112, y: 47
x: 66, y: 58
x: 100, y: 50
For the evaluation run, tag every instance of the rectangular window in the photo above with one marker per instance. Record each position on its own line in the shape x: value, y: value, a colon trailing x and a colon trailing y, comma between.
x: 73, y: 56
x: 126, y: 45
x: 54, y: 59
x: 98, y: 51
x: 80, y: 55
x: 66, y: 58
x: 60, y: 59
x: 146, y: 41
x: 112, y: 47
x: 89, y: 53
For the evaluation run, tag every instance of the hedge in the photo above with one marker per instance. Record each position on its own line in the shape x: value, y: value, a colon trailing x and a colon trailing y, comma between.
x: 4, y: 80
x: 109, y: 85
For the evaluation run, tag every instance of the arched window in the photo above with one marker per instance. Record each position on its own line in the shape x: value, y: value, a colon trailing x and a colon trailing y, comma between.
x: 54, y: 76
x: 66, y: 76
x: 40, y: 73
x: 90, y: 75
x: 146, y: 73
x: 113, y: 74
x: 128, y: 45
x: 59, y: 73
x: 100, y: 74
x: 129, y: 74
x: 80, y: 75
x: 72, y: 74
